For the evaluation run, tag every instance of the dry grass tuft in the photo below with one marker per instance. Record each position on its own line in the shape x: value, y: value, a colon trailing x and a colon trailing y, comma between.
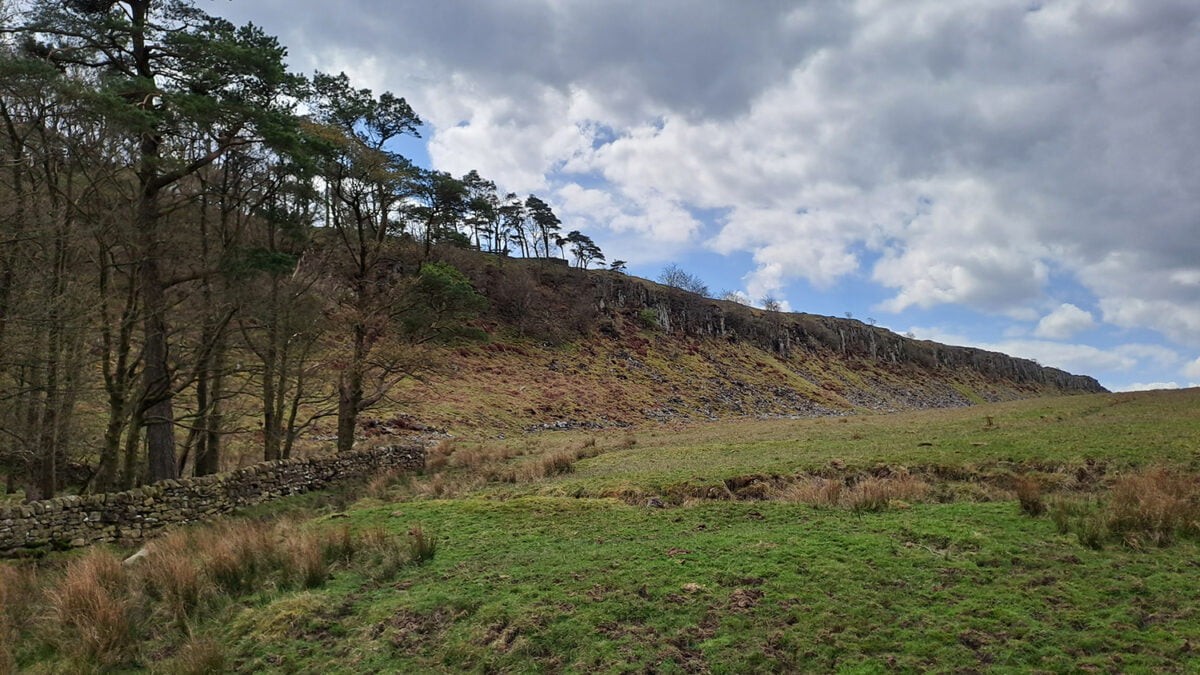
x: 384, y: 554
x: 868, y: 494
x: 199, y: 657
x: 1144, y: 510
x: 19, y: 598
x: 558, y: 464
x: 1029, y: 494
x: 443, y: 485
x: 438, y: 456
x: 422, y: 545
x: 380, y: 486
x: 815, y: 492
x: 237, y: 556
x: 1152, y: 508
x: 304, y: 564
x: 169, y: 574
x: 339, y: 544
x: 93, y: 608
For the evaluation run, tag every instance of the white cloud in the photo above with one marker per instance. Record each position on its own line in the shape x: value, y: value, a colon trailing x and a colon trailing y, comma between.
x: 1076, y: 358
x: 1064, y: 322
x: 1150, y: 386
x: 1192, y: 369
x: 1158, y: 355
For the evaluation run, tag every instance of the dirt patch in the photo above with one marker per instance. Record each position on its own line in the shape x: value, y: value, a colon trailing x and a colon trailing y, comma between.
x: 412, y: 630
x: 744, y: 599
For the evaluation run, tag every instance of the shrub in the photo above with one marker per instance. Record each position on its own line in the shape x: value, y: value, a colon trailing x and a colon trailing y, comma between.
x: 648, y: 318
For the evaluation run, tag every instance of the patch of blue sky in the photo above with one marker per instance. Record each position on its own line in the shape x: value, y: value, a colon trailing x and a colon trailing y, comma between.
x: 414, y: 148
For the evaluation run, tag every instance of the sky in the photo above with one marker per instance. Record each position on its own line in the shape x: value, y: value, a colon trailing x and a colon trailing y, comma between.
x: 1022, y: 176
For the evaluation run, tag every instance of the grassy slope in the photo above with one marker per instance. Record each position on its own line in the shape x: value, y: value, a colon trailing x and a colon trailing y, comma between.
x: 512, y: 385
x: 537, y: 581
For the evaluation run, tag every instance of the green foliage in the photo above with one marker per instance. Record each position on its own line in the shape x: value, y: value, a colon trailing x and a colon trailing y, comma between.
x: 648, y: 317
x: 443, y: 298
x: 244, y: 263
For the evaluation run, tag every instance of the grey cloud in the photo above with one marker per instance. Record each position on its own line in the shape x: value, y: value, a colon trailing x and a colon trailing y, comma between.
x: 700, y: 60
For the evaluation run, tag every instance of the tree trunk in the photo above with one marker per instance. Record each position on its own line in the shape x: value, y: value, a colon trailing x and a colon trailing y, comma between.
x: 160, y: 415
x: 208, y: 454
x: 131, y: 469
x: 350, y: 392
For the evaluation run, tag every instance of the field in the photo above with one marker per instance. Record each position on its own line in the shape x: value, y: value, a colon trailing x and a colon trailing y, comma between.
x: 1052, y: 534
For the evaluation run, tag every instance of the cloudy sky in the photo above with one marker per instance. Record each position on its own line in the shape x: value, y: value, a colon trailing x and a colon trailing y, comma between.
x: 1022, y: 175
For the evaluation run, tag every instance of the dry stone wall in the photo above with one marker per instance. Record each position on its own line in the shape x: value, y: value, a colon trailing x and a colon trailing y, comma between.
x: 136, y: 514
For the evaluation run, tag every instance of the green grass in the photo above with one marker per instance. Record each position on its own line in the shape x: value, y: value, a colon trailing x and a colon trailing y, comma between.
x: 1119, y: 431
x: 548, y: 575
x: 546, y: 583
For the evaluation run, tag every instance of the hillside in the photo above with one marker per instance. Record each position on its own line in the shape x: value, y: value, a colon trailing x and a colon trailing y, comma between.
x: 571, y: 348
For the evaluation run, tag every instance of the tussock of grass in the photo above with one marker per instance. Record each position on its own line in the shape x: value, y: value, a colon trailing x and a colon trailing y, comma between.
x: 100, y: 610
x: 1144, y: 510
x: 237, y: 556
x: 202, y: 656
x: 1029, y: 495
x: 868, y: 494
x: 170, y: 575
x: 20, y: 597
x: 305, y: 564
x: 422, y: 546
x: 94, y: 609
x: 814, y: 492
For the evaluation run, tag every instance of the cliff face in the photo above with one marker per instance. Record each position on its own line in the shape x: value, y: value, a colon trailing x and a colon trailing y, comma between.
x: 572, y: 348
x: 786, y: 334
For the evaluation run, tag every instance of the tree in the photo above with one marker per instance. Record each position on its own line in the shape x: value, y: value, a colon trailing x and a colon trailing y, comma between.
x: 442, y: 203
x: 673, y: 275
x: 482, y: 212
x: 186, y: 88
x: 617, y: 266
x: 546, y: 224
x: 584, y: 249
x: 513, y: 220
x: 365, y: 187
x: 771, y: 303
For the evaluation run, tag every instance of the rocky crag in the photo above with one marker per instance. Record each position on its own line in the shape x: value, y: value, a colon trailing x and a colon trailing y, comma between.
x: 595, y: 349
